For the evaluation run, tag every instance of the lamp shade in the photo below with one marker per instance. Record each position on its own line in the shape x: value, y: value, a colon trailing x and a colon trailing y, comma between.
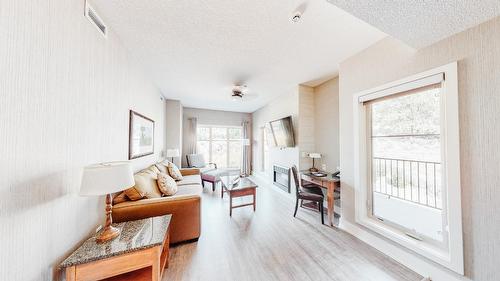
x: 173, y: 152
x: 314, y: 155
x: 106, y: 178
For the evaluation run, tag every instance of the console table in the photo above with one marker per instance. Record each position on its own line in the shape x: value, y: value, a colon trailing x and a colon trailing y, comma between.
x: 139, y: 253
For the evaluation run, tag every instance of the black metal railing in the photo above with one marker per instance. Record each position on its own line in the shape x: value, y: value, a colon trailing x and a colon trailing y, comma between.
x: 415, y: 181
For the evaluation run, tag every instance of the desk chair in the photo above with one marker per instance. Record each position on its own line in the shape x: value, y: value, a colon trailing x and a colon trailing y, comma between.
x: 307, y: 192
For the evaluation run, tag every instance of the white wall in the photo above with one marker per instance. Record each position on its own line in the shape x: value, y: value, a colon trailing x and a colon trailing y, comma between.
x: 478, y: 53
x: 211, y: 117
x: 283, y: 106
x: 326, y: 127
x: 65, y: 95
x: 173, y: 128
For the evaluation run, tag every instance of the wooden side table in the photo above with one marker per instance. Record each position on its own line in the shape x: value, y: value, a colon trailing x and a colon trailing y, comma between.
x: 139, y: 253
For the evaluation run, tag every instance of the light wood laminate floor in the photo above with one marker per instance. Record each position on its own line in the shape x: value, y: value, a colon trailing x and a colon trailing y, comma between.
x: 271, y: 244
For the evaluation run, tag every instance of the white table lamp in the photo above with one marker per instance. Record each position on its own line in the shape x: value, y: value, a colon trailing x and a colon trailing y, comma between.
x: 105, y: 179
x: 173, y: 153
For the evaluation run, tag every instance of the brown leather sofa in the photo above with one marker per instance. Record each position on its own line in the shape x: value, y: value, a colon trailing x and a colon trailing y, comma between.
x: 184, y: 206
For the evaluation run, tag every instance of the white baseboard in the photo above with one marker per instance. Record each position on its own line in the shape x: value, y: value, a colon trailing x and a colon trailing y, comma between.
x: 420, y: 265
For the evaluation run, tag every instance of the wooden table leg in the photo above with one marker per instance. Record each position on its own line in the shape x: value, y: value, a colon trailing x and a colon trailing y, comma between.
x: 254, y: 201
x: 156, y: 270
x: 70, y: 273
x: 230, y: 204
x: 330, y: 202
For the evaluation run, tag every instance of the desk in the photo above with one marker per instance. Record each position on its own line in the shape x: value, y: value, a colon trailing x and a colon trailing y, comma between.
x: 329, y: 183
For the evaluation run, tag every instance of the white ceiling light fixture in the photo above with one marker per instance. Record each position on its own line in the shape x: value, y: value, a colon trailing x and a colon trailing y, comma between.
x: 296, y: 17
x: 240, y: 93
x: 297, y: 14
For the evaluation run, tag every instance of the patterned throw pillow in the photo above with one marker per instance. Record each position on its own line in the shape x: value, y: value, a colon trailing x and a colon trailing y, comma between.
x: 174, y: 172
x: 166, y: 184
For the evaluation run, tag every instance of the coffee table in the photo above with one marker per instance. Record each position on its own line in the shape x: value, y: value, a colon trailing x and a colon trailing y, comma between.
x: 244, y: 187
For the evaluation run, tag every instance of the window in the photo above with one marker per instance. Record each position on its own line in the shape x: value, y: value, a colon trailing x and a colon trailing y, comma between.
x: 220, y: 145
x: 407, y: 159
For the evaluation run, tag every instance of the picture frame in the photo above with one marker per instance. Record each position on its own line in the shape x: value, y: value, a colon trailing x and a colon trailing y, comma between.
x: 141, y: 135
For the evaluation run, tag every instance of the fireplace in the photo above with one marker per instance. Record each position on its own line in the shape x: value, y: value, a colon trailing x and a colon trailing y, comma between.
x: 281, y: 177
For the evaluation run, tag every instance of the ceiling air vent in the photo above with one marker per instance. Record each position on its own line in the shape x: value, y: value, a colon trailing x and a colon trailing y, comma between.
x: 96, y: 21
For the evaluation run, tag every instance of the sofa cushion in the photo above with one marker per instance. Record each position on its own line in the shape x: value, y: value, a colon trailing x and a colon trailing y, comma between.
x: 207, y: 169
x: 174, y: 172
x: 166, y: 184
x: 145, y: 186
x: 189, y: 179
x: 212, y: 175
x: 189, y: 189
x: 184, y: 192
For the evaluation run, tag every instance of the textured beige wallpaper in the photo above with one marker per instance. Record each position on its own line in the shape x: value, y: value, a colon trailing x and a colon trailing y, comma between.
x: 326, y: 127
x: 478, y: 54
x: 306, y: 122
x: 65, y: 93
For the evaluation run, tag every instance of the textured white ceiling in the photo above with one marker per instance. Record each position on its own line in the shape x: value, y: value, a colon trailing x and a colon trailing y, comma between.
x: 420, y: 23
x: 196, y: 50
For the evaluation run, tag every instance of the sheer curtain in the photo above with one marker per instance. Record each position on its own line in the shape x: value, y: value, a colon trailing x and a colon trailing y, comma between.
x: 246, y: 167
x: 191, y: 138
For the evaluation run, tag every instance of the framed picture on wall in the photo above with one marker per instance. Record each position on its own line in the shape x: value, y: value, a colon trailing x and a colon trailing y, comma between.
x: 141, y: 135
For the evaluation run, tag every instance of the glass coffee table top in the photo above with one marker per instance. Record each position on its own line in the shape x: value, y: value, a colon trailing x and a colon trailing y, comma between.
x: 235, y: 182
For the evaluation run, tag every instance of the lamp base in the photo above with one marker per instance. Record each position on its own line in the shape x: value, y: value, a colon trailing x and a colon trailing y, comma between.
x: 313, y: 170
x: 109, y: 233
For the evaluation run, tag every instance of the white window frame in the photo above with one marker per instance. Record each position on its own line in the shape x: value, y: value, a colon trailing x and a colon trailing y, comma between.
x: 452, y: 256
x: 227, y: 140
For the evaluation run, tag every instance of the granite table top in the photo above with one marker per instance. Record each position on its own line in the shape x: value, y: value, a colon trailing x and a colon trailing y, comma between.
x: 135, y: 235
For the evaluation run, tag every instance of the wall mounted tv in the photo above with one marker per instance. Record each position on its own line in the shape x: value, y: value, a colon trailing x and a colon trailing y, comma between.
x: 282, y: 130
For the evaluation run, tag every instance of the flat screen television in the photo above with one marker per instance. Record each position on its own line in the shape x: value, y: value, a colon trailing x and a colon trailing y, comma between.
x: 282, y: 130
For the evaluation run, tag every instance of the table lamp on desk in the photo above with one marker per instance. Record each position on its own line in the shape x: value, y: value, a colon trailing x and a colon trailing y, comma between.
x: 314, y: 155
x: 105, y: 179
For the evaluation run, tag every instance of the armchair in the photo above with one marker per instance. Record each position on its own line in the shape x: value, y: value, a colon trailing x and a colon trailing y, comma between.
x: 198, y: 161
x: 209, y: 171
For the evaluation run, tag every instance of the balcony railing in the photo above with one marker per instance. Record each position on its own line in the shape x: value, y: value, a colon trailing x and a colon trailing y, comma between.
x: 414, y: 181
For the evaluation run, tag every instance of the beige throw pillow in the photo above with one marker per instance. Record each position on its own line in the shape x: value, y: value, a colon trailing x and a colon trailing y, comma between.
x: 145, y: 186
x: 174, y: 172
x: 166, y: 184
x: 162, y: 167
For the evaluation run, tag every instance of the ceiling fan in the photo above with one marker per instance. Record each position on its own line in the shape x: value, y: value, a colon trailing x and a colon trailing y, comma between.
x: 241, y: 93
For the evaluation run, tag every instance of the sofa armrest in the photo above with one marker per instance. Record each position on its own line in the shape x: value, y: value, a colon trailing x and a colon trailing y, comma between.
x: 190, y: 171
